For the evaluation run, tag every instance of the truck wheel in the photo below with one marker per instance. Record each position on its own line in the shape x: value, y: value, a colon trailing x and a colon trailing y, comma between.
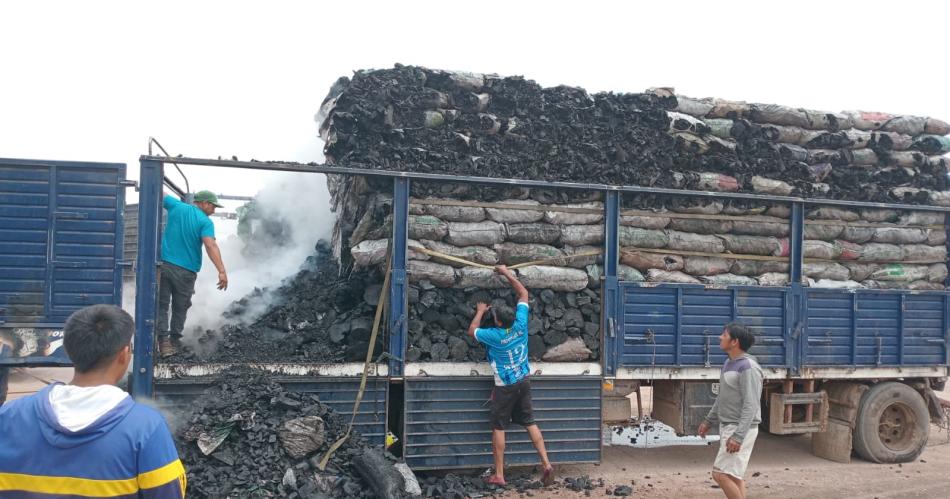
x: 892, y: 424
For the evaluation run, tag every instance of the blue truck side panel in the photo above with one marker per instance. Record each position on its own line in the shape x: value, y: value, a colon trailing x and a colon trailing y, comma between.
x: 61, y: 242
x: 677, y: 325
x: 447, y: 423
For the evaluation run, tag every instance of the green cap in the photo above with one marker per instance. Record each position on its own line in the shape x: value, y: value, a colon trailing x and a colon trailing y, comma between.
x: 207, y: 196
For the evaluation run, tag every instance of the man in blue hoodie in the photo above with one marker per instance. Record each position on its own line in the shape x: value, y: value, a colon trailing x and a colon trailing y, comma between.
x: 89, y: 438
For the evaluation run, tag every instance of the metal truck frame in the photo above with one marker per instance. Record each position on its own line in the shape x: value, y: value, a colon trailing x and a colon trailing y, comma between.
x: 855, y: 367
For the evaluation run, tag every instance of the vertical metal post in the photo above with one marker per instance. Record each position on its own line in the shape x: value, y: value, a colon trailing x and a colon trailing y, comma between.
x: 900, y: 329
x: 610, y: 321
x: 146, y: 276
x: 796, y: 311
x: 398, y: 320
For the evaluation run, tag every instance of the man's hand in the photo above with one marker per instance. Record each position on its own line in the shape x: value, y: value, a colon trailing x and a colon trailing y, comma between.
x: 482, y: 307
x: 703, y: 429
x: 733, y: 445
x: 222, y: 280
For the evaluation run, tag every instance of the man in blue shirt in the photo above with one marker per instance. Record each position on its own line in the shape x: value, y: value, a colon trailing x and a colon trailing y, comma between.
x: 511, y: 397
x: 89, y: 438
x: 187, y: 228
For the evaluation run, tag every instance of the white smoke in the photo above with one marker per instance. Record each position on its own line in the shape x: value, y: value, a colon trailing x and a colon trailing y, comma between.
x: 302, y: 200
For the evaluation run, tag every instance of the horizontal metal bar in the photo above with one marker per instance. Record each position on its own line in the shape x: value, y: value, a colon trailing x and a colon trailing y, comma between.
x: 303, y: 168
x: 801, y: 398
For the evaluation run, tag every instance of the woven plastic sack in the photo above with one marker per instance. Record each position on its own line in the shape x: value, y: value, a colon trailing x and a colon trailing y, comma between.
x: 908, y: 125
x: 624, y: 273
x: 476, y: 254
x: 645, y: 261
x: 644, y: 222
x: 758, y: 267
x: 438, y: 274
x: 830, y: 284
x: 937, y: 272
x: 657, y: 275
x: 580, y: 261
x: 773, y: 279
x: 768, y: 226
x: 922, y: 218
x: 868, y: 120
x: 563, y: 218
x: 937, y: 127
x: 728, y: 280
x: 923, y: 253
x: 846, y: 250
x: 538, y: 233
x: 684, y: 241
x: 858, y: 235
x: 700, y: 226
x: 643, y: 238
x: 507, y: 216
x: 861, y: 271
x: 752, y: 245
x: 704, y: 208
x: 826, y: 270
x: 477, y: 277
x: 553, y: 278
x: 880, y: 252
x: 875, y: 215
x: 769, y: 186
x: 818, y: 249
x: 823, y: 232
x: 475, y: 234
x: 693, y: 107
x: 936, y: 237
x: 514, y: 253
x: 702, y: 265
x: 427, y: 227
x: 455, y: 213
x: 580, y: 235
x: 832, y: 213
x: 899, y: 235
x: 779, y: 115
x: 901, y: 272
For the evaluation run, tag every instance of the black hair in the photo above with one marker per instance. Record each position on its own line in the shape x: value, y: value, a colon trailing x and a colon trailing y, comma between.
x: 505, y: 315
x: 742, y: 333
x: 94, y: 335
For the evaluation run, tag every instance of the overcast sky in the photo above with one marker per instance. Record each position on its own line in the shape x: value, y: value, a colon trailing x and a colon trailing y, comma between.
x: 92, y: 81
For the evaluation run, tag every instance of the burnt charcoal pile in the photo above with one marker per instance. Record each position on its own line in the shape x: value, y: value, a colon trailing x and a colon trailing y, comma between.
x: 313, y: 316
x: 247, y: 436
x: 424, y: 120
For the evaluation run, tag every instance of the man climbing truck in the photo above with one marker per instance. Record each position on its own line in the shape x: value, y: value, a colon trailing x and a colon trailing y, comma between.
x: 511, y: 398
x: 188, y: 228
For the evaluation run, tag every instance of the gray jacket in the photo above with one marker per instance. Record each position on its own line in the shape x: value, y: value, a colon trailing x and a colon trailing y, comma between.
x: 740, y: 391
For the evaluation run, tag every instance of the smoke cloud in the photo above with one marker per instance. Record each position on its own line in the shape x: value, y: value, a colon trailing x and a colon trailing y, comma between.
x: 302, y: 202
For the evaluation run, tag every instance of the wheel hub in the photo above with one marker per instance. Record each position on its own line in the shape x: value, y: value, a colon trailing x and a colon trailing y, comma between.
x: 896, y: 427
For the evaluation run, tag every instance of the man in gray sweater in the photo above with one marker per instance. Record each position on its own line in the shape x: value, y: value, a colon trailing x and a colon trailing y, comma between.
x: 737, y: 410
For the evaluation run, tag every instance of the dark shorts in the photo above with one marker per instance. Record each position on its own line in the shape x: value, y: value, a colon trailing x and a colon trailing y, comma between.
x: 512, y: 403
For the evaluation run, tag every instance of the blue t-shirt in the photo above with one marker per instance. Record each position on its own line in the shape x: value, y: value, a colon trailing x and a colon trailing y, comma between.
x: 185, y: 225
x: 508, y: 348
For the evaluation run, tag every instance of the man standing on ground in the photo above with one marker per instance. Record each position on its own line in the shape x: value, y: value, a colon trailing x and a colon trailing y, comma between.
x: 511, y: 397
x: 89, y: 438
x: 737, y: 410
x: 187, y: 228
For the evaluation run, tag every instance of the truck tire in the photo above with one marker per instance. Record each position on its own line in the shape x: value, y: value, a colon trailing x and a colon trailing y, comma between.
x: 892, y: 424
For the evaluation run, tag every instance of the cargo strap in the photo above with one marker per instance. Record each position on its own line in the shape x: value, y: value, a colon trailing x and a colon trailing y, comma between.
x: 383, y: 298
x: 468, y: 263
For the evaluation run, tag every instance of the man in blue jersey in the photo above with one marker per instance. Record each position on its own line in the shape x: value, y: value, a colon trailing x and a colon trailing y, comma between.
x: 89, y: 438
x: 511, y: 398
x: 187, y: 228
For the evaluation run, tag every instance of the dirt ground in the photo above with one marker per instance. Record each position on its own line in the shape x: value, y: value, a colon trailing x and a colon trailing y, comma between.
x: 781, y: 467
